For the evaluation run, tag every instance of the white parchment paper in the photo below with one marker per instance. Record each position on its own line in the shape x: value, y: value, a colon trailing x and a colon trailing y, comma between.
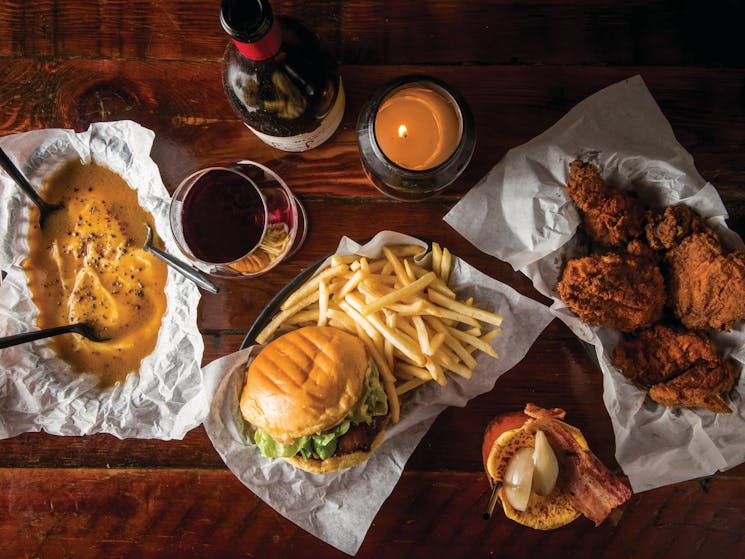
x: 339, y: 507
x: 520, y: 213
x: 38, y: 391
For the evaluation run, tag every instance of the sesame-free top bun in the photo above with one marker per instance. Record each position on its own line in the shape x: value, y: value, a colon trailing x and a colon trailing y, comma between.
x: 304, y: 382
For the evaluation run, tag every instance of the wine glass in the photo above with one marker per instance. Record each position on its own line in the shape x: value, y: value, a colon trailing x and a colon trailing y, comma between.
x: 239, y: 220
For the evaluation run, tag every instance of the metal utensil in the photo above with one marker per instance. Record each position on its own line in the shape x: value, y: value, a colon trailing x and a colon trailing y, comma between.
x: 45, y: 208
x: 180, y: 266
x: 82, y: 328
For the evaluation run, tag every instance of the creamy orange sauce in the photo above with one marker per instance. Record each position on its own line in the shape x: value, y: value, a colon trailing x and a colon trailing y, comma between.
x: 87, y: 265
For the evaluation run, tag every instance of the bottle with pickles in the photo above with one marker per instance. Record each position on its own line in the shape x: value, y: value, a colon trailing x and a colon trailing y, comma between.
x: 279, y: 77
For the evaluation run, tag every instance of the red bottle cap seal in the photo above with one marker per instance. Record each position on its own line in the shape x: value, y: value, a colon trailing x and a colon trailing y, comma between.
x: 264, y: 48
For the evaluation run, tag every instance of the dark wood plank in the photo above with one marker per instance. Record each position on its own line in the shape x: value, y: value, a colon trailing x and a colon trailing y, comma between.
x: 629, y: 33
x: 174, y: 513
x: 640, y: 32
x: 40, y: 450
x: 120, y: 29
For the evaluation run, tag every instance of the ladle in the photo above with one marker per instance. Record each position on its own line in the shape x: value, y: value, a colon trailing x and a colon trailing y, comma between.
x: 182, y: 267
x: 82, y: 328
x: 45, y: 208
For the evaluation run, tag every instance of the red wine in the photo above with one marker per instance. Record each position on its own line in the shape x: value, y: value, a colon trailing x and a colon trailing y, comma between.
x: 223, y: 217
x: 279, y: 78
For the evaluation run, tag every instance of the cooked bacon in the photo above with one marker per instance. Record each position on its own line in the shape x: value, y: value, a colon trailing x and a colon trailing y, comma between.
x: 593, y: 489
x: 537, y: 412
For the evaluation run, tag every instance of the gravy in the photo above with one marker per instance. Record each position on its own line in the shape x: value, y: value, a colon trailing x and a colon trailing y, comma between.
x: 87, y: 265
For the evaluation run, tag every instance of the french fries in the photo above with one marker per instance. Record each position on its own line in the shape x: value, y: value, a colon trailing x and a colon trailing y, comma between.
x: 411, y: 322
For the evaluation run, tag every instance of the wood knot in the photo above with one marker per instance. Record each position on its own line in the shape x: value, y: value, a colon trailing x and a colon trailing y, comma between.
x: 107, y: 101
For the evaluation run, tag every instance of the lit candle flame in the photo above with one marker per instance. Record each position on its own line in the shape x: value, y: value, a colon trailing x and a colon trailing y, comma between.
x: 403, y: 132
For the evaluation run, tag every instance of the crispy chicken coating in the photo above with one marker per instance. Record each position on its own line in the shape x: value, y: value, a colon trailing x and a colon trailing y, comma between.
x: 701, y: 386
x: 621, y: 291
x: 666, y: 230
x: 680, y: 367
x: 706, y: 285
x: 610, y: 217
x: 662, y: 352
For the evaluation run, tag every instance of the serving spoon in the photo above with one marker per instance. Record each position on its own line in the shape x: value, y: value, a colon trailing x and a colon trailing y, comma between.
x: 180, y: 266
x: 45, y: 208
x: 83, y: 328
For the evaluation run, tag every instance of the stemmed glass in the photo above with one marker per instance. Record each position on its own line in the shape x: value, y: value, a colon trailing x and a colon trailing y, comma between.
x: 239, y: 220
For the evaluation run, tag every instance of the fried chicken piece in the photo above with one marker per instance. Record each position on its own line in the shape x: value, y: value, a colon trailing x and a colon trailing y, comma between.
x: 666, y: 230
x: 701, y: 386
x: 621, y: 291
x: 639, y: 248
x: 609, y: 216
x: 662, y: 352
x: 706, y: 285
x: 680, y: 367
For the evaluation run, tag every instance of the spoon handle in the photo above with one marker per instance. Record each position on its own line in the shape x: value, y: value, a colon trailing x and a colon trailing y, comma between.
x: 7, y: 164
x: 9, y: 341
x: 185, y: 269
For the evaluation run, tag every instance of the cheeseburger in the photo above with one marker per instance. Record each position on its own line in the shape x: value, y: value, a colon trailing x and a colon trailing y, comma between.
x: 314, y: 397
x: 543, y: 472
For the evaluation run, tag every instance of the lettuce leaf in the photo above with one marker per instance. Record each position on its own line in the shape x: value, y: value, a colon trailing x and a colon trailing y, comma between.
x: 271, y: 448
x: 324, y: 444
x: 374, y: 401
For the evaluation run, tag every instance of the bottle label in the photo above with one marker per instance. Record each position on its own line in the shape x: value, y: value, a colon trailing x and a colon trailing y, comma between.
x: 264, y: 48
x: 309, y: 140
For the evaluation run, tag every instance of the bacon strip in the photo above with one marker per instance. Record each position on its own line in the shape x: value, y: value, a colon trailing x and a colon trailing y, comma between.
x: 537, y: 412
x: 593, y: 489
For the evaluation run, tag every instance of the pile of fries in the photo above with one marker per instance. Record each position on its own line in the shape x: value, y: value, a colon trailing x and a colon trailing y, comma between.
x: 411, y: 322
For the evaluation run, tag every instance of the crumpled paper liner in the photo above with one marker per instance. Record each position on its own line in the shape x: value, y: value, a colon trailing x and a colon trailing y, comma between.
x: 38, y: 391
x: 520, y: 213
x: 339, y: 507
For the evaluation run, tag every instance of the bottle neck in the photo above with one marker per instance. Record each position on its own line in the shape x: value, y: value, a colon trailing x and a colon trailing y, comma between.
x: 263, y: 48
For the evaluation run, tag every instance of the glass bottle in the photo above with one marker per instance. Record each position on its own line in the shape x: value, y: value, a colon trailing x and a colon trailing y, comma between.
x: 279, y: 78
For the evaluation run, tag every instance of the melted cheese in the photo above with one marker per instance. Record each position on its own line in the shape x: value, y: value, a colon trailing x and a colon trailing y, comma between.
x: 87, y: 265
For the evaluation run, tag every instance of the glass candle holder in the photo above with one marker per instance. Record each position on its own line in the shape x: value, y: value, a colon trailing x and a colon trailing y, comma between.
x: 416, y: 135
x: 237, y: 221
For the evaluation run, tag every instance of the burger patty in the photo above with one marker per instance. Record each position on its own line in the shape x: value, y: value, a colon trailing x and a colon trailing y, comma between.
x: 360, y: 437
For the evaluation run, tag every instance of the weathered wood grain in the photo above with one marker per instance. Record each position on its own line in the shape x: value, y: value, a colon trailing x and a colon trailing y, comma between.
x: 521, y: 66
x: 639, y: 32
x: 175, y: 513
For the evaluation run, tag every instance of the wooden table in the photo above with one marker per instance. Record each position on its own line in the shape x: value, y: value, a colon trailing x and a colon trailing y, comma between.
x: 521, y: 66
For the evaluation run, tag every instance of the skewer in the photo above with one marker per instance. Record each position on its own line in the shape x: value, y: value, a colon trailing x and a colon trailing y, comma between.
x: 492, y: 501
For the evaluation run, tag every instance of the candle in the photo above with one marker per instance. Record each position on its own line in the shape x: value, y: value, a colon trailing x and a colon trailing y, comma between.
x: 418, y: 127
x: 416, y: 135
